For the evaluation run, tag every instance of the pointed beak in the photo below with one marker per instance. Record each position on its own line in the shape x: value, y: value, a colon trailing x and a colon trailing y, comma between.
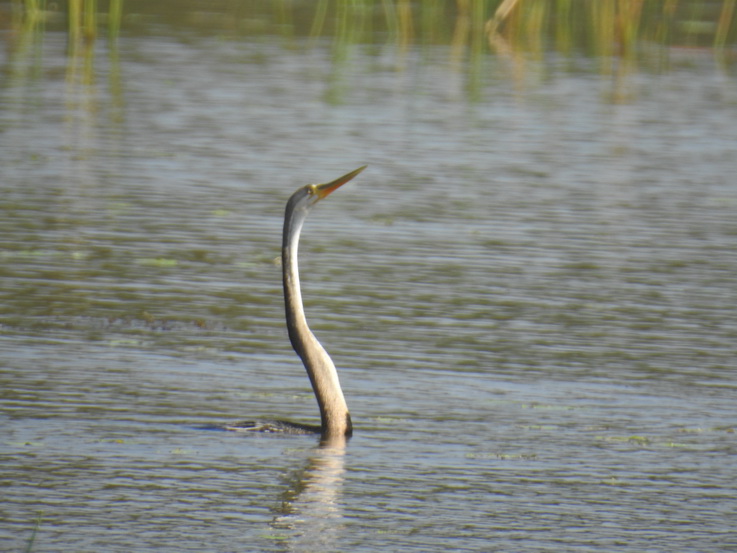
x: 323, y: 190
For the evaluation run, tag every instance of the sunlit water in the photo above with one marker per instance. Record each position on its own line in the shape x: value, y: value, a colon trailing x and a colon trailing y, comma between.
x: 529, y: 294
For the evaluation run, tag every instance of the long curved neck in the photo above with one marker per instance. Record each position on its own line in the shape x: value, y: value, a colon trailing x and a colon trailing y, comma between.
x: 334, y: 415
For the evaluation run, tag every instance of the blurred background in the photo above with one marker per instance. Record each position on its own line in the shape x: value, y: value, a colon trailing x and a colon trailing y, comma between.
x: 529, y: 293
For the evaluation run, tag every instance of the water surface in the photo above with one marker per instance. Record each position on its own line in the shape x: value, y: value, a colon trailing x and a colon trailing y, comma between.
x: 529, y: 295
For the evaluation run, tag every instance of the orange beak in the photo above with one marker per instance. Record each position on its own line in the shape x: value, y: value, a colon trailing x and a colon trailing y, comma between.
x: 323, y: 190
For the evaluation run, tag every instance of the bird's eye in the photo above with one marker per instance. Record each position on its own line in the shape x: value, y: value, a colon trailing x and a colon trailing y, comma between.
x: 311, y: 189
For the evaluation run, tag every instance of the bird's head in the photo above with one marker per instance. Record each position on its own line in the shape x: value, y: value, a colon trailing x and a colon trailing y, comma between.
x: 309, y: 195
x: 301, y: 202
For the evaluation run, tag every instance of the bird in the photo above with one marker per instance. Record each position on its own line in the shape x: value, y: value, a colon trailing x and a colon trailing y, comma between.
x: 335, y: 419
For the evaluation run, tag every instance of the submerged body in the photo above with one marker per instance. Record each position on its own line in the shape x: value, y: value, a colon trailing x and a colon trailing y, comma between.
x: 335, y: 419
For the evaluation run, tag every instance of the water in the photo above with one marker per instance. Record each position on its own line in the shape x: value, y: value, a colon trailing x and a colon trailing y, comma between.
x: 529, y: 295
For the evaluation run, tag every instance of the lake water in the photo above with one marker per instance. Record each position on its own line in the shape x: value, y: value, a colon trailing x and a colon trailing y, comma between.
x: 529, y: 294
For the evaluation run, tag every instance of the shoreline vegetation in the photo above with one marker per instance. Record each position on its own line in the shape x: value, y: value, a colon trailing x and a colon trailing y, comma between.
x: 615, y: 38
x: 591, y: 27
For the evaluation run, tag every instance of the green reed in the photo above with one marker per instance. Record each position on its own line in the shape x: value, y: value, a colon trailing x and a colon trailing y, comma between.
x: 599, y: 27
x: 82, y: 17
x: 606, y: 27
x: 32, y: 539
x: 609, y: 26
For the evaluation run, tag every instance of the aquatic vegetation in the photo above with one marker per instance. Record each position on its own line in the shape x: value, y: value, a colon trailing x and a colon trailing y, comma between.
x: 32, y: 539
x: 604, y: 27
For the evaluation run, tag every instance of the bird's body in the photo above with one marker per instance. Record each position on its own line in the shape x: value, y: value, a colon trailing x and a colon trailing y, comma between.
x: 334, y: 416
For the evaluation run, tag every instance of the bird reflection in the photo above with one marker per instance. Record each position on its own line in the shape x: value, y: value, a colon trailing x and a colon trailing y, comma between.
x: 311, y: 510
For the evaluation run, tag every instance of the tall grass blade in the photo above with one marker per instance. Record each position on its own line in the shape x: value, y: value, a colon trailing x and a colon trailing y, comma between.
x: 32, y: 540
